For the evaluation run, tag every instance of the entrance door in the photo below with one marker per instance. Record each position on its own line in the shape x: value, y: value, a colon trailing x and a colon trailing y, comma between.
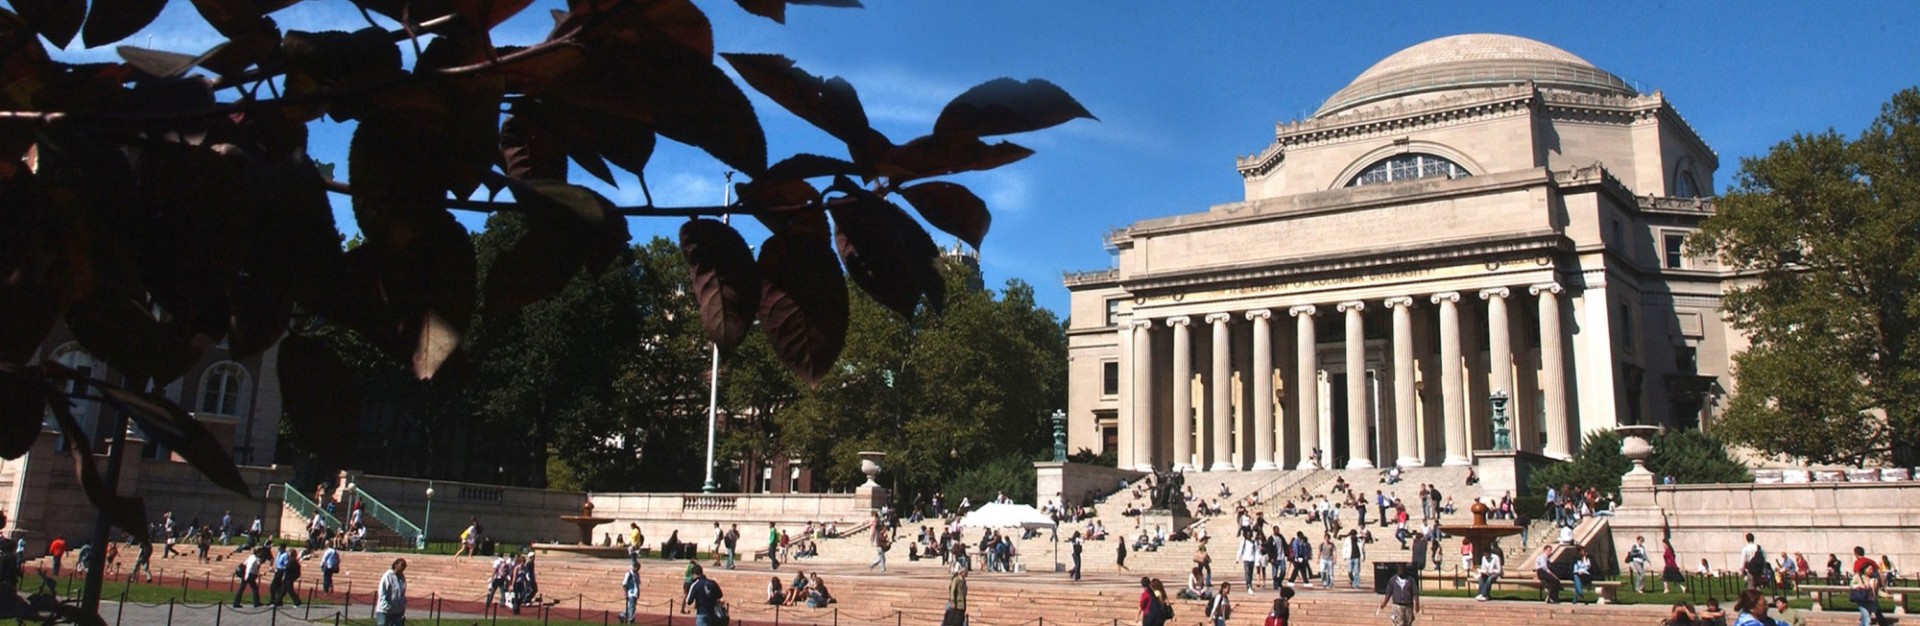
x: 1337, y: 419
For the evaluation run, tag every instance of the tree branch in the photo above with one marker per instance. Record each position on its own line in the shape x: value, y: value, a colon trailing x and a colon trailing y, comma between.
x: 493, y: 206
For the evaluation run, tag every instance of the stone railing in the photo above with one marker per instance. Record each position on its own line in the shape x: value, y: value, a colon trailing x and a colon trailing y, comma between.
x: 709, y: 503
x: 1686, y: 205
x: 1090, y: 276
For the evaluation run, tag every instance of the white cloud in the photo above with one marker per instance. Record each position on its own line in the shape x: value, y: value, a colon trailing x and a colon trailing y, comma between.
x: 1007, y: 192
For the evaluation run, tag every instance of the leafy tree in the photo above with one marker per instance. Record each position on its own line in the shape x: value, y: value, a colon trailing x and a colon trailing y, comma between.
x: 166, y: 203
x: 1689, y: 456
x: 1826, y: 228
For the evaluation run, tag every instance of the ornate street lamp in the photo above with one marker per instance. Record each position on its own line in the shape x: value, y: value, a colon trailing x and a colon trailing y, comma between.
x: 1502, y: 438
x: 428, y: 521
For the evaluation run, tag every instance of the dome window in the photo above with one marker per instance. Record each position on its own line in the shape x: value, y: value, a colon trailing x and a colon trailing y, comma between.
x: 1405, y: 167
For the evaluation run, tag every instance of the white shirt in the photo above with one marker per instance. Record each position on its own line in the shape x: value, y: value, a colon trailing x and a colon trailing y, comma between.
x: 1490, y: 565
x: 392, y: 598
x: 252, y: 568
x: 1747, y: 552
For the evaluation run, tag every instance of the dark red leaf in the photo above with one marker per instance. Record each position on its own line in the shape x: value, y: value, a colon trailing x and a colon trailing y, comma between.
x: 488, y: 13
x: 529, y: 151
x: 260, y: 317
x: 803, y: 301
x: 23, y: 407
x: 831, y: 104
x: 538, y: 265
x: 952, y: 208
x: 123, y: 332
x: 804, y: 166
x: 129, y: 513
x: 431, y: 286
x: 936, y: 155
x: 694, y: 103
x: 776, y: 10
x: 1004, y: 106
x: 296, y: 246
x: 887, y: 253
x: 161, y: 63
x: 335, y: 55
x: 725, y: 280
x: 171, y: 426
x: 591, y: 134
x: 676, y: 22
x: 320, y: 397
x: 244, y: 50
x: 58, y: 20
x: 232, y: 17
x: 194, y: 245
x: 113, y: 20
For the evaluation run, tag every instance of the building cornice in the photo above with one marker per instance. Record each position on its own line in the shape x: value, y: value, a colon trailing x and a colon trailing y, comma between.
x: 1527, y: 247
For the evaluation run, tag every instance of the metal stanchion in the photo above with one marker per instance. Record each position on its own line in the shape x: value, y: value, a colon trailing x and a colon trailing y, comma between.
x: 169, y: 611
x: 219, y: 611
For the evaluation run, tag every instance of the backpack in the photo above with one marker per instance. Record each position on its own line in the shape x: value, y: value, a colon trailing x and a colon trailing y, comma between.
x: 1163, y: 608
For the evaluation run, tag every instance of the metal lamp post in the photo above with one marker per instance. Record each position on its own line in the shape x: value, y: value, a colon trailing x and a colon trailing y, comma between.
x: 427, y: 522
x: 713, y: 388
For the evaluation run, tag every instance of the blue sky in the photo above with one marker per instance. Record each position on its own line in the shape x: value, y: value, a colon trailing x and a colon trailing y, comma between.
x: 1181, y: 88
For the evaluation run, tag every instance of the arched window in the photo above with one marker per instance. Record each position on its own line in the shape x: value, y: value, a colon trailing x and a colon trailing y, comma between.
x: 1684, y: 187
x: 220, y: 388
x: 1405, y: 167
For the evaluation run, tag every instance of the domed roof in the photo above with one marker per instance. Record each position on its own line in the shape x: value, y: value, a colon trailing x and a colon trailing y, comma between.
x: 1472, y: 61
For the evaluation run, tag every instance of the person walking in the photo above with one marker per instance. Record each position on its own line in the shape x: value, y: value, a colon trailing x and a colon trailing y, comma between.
x: 1301, y: 554
x: 1637, y: 563
x: 773, y: 546
x: 1220, y: 608
x: 468, y: 538
x: 731, y: 542
x: 249, y: 572
x: 142, y: 563
x: 1326, y: 560
x: 503, y: 573
x: 879, y: 545
x: 1354, y: 552
x: 390, y: 602
x: 1249, y: 553
x: 329, y: 565
x: 277, y: 588
x: 1670, y: 568
x: 56, y: 549
x: 704, y: 596
x: 631, y: 585
x: 956, y: 613
x: 1074, y: 574
x: 1403, y: 595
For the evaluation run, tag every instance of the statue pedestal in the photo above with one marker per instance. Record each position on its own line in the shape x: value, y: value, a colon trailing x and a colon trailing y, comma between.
x: 1502, y: 471
x: 1154, y: 519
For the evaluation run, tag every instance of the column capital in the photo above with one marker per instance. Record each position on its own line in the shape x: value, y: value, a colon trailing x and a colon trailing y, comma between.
x: 1179, y: 321
x: 1495, y: 292
x: 1402, y: 301
x: 1351, y: 306
x: 1219, y: 318
x: 1260, y: 314
x: 1304, y: 309
x: 1553, y: 288
x: 1445, y: 296
x: 1141, y: 324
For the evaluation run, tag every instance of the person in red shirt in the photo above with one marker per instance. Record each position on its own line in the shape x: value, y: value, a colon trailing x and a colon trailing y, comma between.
x: 57, y: 549
x: 1866, y: 575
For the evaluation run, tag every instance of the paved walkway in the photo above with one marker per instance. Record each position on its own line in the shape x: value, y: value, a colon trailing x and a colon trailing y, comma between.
x: 134, y: 613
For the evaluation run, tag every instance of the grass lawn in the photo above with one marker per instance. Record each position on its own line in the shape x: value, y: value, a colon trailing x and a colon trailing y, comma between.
x: 1626, y: 595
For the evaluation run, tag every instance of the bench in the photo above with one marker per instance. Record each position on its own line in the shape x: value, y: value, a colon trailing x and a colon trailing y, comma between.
x: 1607, y: 591
x: 1820, y: 593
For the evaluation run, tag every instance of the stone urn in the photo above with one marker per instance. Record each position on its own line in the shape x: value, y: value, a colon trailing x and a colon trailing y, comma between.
x: 870, y: 465
x: 1634, y: 446
x: 1479, y: 510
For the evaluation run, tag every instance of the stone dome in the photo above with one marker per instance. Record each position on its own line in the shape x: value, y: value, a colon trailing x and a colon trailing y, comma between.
x: 1472, y: 61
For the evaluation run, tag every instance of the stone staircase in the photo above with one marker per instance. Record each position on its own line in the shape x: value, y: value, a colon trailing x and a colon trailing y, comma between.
x: 911, y: 593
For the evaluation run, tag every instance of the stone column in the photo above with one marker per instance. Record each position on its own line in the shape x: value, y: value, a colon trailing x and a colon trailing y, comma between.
x: 1553, y: 372
x: 1499, y: 346
x: 1452, y: 405
x: 1182, y: 394
x: 1143, y: 426
x: 1307, y: 418
x: 1358, y: 456
x: 1123, y: 418
x: 1262, y: 390
x: 1222, y: 393
x: 1406, y: 435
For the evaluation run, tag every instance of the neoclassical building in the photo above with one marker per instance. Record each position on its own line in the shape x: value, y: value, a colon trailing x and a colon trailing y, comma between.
x: 1474, y: 216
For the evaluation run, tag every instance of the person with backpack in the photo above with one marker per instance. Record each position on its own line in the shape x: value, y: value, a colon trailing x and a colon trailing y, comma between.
x: 1154, y: 607
x: 1637, y: 563
x: 1301, y: 555
x: 249, y: 574
x: 329, y: 565
x: 1753, y: 561
x: 631, y: 585
x: 1220, y: 608
x: 704, y: 596
x: 1865, y: 592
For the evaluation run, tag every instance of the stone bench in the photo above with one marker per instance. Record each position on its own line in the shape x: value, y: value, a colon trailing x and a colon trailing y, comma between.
x: 1820, y: 592
x: 1607, y: 591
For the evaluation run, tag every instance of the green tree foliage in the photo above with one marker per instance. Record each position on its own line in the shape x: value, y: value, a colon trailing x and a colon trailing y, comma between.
x: 1827, y: 229
x: 948, y: 391
x: 1689, y: 456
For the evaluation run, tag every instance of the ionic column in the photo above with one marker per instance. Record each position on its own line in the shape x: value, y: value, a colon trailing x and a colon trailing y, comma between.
x: 1222, y: 394
x: 1262, y: 390
x: 1143, y: 435
x: 1406, y: 442
x: 1452, y: 406
x: 1306, y: 418
x: 1182, y: 394
x: 1499, y: 346
x: 1553, y: 372
x: 1123, y: 422
x: 1358, y: 456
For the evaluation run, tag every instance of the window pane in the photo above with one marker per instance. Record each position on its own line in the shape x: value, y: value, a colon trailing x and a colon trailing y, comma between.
x: 1406, y: 167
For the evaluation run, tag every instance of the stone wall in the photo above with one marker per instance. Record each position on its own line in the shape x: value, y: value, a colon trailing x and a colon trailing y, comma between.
x: 1073, y: 481
x: 1815, y: 519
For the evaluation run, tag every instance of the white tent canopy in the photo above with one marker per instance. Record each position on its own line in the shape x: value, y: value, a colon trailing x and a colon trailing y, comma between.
x: 997, y: 515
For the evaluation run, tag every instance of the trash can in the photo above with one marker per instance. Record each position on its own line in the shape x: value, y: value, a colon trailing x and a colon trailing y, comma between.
x: 1383, y: 570
x: 486, y: 548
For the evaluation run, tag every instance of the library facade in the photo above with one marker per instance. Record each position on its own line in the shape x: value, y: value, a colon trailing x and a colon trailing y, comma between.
x: 1477, y: 221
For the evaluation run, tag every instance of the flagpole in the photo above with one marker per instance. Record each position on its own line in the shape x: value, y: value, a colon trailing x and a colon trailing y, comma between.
x: 713, y: 384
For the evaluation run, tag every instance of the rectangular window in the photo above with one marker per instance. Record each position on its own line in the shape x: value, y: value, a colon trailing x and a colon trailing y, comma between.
x: 1110, y: 378
x: 1626, y: 326
x: 793, y: 479
x: 766, y: 480
x: 1113, y: 312
x: 1686, y: 359
x: 1674, y: 244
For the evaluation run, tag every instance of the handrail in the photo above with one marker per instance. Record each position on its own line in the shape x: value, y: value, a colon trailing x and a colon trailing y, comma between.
x: 306, y: 507
x: 408, y: 531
